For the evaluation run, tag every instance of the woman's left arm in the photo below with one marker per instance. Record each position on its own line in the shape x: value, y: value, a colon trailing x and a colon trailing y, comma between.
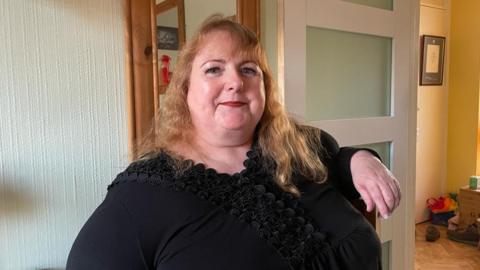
x: 359, y: 173
x: 375, y: 183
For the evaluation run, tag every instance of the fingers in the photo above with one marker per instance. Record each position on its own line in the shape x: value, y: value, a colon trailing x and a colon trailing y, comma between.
x: 389, y: 195
x: 395, y: 187
x: 367, y: 199
x: 377, y: 197
x: 390, y: 188
x: 375, y: 183
x: 384, y: 195
x: 399, y: 191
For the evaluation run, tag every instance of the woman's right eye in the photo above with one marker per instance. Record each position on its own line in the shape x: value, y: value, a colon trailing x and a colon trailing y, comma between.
x: 213, y: 70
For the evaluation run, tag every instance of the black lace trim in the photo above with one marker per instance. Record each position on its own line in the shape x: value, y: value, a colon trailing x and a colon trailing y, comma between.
x: 252, y: 196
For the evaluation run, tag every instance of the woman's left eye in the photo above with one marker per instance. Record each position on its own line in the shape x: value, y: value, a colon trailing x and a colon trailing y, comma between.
x: 249, y: 71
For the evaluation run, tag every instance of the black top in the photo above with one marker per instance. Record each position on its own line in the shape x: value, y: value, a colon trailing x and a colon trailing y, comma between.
x: 154, y: 218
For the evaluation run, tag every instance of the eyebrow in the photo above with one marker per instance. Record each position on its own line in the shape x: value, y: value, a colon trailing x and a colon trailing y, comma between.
x: 223, y: 62
x: 213, y: 60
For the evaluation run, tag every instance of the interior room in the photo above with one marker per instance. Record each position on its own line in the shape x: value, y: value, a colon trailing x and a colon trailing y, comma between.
x: 447, y: 137
x: 82, y: 80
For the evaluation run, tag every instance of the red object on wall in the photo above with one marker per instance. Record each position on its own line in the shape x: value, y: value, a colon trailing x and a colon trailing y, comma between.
x: 165, y: 69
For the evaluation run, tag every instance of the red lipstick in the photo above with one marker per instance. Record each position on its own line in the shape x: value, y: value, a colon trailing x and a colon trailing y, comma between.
x: 233, y: 103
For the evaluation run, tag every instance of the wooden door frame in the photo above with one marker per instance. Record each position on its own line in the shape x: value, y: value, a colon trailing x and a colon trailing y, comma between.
x: 139, y: 57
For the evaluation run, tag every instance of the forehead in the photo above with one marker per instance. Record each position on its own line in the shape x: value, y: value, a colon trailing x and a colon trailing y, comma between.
x: 221, y: 44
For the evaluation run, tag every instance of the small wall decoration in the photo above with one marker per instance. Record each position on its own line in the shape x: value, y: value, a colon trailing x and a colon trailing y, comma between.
x: 167, y: 38
x: 432, y: 61
x: 165, y: 69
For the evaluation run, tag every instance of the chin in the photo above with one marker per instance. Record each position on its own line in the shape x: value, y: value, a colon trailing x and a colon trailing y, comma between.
x: 238, y: 126
x: 235, y: 123
x: 235, y: 127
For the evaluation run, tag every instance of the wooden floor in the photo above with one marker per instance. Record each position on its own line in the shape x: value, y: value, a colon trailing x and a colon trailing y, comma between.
x: 443, y: 254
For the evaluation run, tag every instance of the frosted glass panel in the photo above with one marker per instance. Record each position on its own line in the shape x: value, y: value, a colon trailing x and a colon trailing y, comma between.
x: 385, y: 4
x: 386, y: 255
x: 348, y: 75
x: 382, y: 149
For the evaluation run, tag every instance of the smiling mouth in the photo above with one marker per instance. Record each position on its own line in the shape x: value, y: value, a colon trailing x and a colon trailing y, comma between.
x: 233, y: 103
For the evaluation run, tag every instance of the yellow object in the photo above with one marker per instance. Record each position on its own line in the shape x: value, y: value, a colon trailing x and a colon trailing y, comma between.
x: 450, y: 204
x: 442, y: 204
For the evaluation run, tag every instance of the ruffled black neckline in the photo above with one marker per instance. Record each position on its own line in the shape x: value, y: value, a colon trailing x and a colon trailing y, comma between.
x: 199, y: 166
x: 251, y: 195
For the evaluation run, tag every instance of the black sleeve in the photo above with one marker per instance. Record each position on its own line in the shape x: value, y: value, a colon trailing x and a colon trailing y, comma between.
x: 337, y: 159
x: 108, y: 240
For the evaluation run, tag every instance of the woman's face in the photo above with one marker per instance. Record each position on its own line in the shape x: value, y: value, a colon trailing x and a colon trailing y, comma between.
x: 226, y: 92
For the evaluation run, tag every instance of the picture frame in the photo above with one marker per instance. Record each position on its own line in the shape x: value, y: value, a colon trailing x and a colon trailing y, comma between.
x: 167, y: 38
x: 432, y: 60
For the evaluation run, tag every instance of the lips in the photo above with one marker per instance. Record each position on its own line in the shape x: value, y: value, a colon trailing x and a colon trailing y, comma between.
x: 233, y: 103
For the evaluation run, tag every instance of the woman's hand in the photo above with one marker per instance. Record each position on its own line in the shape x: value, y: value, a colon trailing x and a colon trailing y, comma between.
x: 375, y: 183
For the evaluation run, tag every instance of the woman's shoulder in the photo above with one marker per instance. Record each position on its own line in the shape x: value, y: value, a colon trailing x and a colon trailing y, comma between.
x: 153, y: 190
x: 139, y: 213
x: 158, y: 167
x: 153, y: 183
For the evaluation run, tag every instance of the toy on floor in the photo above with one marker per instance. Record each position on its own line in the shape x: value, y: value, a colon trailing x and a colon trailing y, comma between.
x: 442, y: 209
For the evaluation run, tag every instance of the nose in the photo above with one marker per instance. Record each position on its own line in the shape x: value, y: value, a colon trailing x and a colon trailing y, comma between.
x: 234, y: 81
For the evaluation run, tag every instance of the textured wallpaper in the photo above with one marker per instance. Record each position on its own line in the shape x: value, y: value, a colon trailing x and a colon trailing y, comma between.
x: 63, y: 134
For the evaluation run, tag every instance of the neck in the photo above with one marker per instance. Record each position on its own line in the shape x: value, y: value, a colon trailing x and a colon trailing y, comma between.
x: 223, y: 156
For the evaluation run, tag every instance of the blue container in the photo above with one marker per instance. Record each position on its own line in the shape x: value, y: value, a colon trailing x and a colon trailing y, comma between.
x: 441, y: 218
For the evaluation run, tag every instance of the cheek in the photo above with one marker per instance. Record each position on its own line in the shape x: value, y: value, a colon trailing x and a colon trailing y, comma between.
x: 203, y: 89
x: 200, y: 100
x: 261, y: 94
x: 189, y: 100
x: 193, y: 101
x: 259, y: 97
x: 190, y: 96
x: 262, y: 104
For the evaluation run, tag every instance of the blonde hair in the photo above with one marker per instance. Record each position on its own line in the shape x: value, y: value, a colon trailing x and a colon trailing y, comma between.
x: 281, y: 139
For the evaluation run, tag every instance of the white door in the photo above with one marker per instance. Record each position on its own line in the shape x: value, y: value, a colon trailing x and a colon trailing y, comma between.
x: 349, y: 68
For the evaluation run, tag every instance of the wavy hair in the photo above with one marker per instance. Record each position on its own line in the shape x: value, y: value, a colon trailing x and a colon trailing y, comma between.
x: 293, y: 148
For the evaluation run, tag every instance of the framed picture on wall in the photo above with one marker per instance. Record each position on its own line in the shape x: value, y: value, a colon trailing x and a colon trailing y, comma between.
x: 167, y: 38
x: 432, y: 60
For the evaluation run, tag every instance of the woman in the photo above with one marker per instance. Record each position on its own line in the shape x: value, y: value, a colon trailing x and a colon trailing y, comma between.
x: 230, y: 182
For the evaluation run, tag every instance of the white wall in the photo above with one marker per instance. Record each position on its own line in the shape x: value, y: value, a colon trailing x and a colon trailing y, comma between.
x: 432, y: 115
x: 63, y: 134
